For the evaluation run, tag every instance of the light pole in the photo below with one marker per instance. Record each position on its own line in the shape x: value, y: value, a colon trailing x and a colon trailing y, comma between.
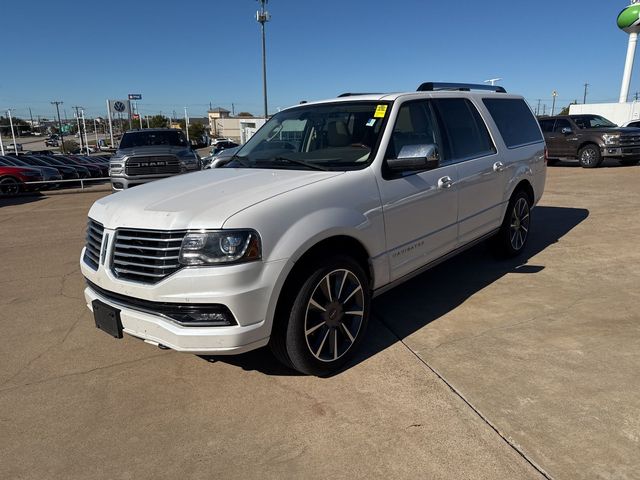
x: 84, y: 127
x: 262, y: 16
x: 186, y: 122
x: 95, y: 131
x: 554, y: 94
x: 77, y: 114
x: 492, y: 81
x: 13, y: 135
x: 1, y: 144
x: 584, y: 98
x: 57, y: 104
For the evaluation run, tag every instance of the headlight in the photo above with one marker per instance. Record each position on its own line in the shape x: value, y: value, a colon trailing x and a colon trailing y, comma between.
x: 222, y: 246
x: 115, y: 168
x: 610, y: 139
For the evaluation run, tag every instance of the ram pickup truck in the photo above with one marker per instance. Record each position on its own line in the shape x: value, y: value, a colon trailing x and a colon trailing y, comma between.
x: 589, y: 139
x: 149, y: 154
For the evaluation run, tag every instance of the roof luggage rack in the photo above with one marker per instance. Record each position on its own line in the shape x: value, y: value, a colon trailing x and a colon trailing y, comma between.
x: 463, y: 87
x: 351, y: 94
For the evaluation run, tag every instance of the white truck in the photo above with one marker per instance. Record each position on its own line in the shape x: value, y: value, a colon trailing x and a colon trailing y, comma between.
x: 329, y: 204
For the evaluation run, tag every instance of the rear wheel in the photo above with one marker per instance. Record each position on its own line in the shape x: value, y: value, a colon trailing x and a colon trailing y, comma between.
x: 629, y: 161
x: 589, y: 156
x: 9, y: 186
x: 514, y: 232
x: 327, y: 320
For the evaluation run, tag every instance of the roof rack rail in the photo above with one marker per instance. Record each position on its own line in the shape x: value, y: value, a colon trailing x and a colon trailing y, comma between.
x: 463, y: 87
x: 352, y: 94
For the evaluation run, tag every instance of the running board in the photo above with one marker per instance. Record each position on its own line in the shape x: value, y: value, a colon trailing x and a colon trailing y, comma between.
x: 433, y: 263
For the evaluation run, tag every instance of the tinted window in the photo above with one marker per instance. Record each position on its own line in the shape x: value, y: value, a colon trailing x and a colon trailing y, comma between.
x: 634, y: 124
x: 150, y: 138
x: 560, y: 124
x: 546, y: 125
x: 514, y: 120
x: 465, y: 131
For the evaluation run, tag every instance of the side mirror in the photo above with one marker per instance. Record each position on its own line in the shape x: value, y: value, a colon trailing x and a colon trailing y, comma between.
x: 566, y: 131
x: 415, y: 157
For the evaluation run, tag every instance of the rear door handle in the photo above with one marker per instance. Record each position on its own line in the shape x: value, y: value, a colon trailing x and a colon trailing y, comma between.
x: 445, y: 182
x: 498, y: 167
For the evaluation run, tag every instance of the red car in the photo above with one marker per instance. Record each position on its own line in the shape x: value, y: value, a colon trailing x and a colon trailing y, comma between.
x: 12, y: 180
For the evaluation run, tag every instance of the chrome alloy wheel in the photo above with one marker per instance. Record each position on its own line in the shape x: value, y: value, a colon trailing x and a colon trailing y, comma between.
x: 519, y: 227
x: 334, y: 315
x: 588, y: 156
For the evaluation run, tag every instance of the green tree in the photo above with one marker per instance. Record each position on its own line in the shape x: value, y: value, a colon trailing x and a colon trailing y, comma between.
x: 158, y: 121
x: 565, y: 110
x: 196, y: 130
x: 245, y: 114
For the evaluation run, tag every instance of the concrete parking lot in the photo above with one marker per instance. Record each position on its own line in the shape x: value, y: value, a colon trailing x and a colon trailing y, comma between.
x: 477, y: 369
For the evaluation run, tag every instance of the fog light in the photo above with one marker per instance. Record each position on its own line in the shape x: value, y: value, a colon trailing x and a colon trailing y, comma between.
x: 218, y: 316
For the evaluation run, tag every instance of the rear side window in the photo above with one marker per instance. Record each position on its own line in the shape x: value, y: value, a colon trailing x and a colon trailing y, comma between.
x: 514, y: 120
x: 546, y: 125
x: 466, y: 134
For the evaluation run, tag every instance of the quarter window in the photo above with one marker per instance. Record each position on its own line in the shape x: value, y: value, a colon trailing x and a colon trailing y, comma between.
x: 514, y: 120
x: 466, y: 134
x: 560, y: 124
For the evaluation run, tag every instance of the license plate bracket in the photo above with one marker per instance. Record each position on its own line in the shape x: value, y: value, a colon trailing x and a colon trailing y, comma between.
x: 107, y: 318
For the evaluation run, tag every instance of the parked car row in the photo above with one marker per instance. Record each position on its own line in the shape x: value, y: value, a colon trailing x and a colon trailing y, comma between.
x: 17, y: 170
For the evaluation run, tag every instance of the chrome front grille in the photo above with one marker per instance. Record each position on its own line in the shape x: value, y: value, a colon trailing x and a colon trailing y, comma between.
x: 628, y: 140
x: 152, y: 165
x: 146, y: 256
x: 94, y: 243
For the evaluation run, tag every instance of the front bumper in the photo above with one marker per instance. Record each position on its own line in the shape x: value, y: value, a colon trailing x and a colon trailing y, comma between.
x: 245, y: 289
x: 122, y: 182
x: 617, y: 151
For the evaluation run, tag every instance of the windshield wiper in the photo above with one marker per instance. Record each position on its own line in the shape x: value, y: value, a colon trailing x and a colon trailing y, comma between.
x: 241, y: 160
x: 299, y: 162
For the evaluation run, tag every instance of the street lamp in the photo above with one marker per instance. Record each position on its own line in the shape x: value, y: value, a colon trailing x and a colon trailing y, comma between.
x: 57, y: 104
x: 554, y: 94
x: 262, y: 16
x: 13, y: 135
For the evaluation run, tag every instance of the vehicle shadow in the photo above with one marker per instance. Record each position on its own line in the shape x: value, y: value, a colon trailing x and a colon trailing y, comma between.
x: 449, y: 284
x: 21, y: 199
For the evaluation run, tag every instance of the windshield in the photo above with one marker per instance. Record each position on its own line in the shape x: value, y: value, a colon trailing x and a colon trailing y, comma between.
x: 152, y: 138
x: 592, y: 121
x: 338, y: 136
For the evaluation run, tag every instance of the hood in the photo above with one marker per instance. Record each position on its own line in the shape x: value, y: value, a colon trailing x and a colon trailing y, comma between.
x: 204, y: 199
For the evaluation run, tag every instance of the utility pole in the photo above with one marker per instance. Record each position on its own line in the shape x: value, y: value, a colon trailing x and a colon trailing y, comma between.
x: 584, y: 98
x: 262, y: 16
x: 538, y: 107
x: 554, y: 94
x: 635, y: 97
x: 77, y: 109
x: 544, y: 109
x: 95, y: 132
x: 233, y: 110
x: 57, y: 104
x: 31, y: 116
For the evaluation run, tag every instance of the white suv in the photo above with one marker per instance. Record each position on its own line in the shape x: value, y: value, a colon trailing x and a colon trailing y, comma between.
x: 327, y: 205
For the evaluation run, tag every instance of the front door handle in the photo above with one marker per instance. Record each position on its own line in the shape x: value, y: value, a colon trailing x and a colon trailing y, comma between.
x: 445, y: 182
x: 498, y: 167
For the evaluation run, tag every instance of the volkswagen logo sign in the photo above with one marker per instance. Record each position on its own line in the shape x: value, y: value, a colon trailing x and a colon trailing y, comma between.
x: 119, y: 107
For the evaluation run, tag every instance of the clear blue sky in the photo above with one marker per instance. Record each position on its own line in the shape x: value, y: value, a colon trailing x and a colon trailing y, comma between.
x: 200, y: 51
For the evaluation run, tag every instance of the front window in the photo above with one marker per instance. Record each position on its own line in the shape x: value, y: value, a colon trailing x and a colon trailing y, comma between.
x: 592, y: 121
x: 338, y: 136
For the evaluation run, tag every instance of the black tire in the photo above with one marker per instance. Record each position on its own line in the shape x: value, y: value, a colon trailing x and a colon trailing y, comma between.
x: 589, y: 156
x: 552, y: 161
x: 513, y: 235
x: 325, y: 324
x: 629, y: 161
x: 9, y: 186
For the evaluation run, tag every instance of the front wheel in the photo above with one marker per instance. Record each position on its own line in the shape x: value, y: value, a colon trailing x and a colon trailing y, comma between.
x: 514, y: 231
x: 589, y: 156
x: 9, y: 186
x: 328, y: 318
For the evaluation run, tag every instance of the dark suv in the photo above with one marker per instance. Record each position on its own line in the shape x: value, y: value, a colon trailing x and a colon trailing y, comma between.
x: 589, y: 139
x: 149, y: 154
